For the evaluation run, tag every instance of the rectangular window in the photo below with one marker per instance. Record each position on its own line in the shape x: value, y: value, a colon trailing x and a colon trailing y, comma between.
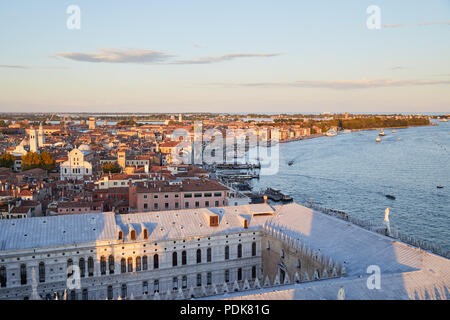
x: 177, y: 205
x: 209, y: 278
x: 207, y: 204
x: 217, y: 194
x: 208, y: 194
x: 216, y: 203
x: 155, y: 196
x: 166, y: 205
x: 166, y: 196
x: 199, y: 279
x: 197, y: 195
x: 186, y: 204
x: 188, y: 195
x: 197, y: 204
x: 155, y: 206
x: 145, y: 206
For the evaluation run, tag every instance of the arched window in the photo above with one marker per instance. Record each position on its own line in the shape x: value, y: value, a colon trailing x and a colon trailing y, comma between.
x: 82, y: 265
x: 183, y: 258
x: 130, y: 264
x: 155, y: 261
x: 156, y: 286
x: 145, y: 234
x: 199, y: 279
x: 111, y: 264
x: 239, y: 274
x: 124, y: 291
x: 239, y: 250
x: 120, y: 235
x: 69, y: 268
x: 174, y: 259
x: 3, y: 276
x: 102, y: 265
x: 138, y: 263
x: 144, y: 263
x: 253, y: 272
x: 133, y: 234
x: 41, y: 272
x: 23, y: 274
x: 123, y: 266
x: 227, y: 275
x: 184, y: 282
x: 175, y: 283
x: 110, y: 293
x: 208, y: 255
x: 90, y: 266
x: 227, y: 252
x: 199, y: 255
x: 253, y: 249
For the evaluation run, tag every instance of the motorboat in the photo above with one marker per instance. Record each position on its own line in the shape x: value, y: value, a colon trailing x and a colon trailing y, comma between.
x: 331, y: 133
x: 390, y: 196
x: 394, y: 131
x: 290, y: 163
x: 378, y: 139
x: 440, y: 187
x: 382, y: 133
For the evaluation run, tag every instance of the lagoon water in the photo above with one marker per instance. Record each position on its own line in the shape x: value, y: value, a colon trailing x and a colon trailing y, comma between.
x: 353, y: 173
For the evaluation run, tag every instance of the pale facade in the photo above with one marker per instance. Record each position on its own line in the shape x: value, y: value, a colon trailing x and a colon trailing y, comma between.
x: 76, y: 167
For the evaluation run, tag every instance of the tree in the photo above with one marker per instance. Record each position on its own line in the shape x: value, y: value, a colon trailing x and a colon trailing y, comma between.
x: 7, y: 160
x: 34, y: 160
x: 111, y: 168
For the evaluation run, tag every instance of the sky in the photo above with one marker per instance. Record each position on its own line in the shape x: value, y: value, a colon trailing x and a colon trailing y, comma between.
x: 225, y: 56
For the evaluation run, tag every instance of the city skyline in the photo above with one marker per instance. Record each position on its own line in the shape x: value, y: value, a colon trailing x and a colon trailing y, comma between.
x: 252, y: 57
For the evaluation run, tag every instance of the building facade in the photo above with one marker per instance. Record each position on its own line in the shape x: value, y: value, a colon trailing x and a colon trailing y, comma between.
x: 77, y: 166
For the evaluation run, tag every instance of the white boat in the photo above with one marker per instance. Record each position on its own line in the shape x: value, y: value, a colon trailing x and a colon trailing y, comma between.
x: 443, y: 120
x: 331, y: 133
x: 381, y: 133
x: 378, y: 139
x: 394, y: 131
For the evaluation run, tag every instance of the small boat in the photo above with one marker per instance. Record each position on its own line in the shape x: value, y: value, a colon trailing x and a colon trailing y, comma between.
x: 331, y: 133
x: 378, y: 139
x: 381, y: 134
x: 444, y: 120
x: 389, y: 196
x: 399, y: 139
x: 440, y: 187
x: 394, y: 131
x: 290, y: 163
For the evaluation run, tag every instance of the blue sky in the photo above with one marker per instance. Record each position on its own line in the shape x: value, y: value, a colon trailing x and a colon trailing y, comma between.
x: 235, y: 56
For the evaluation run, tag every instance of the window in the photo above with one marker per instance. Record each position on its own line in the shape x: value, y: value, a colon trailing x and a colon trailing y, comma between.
x: 155, y: 196
x: 120, y: 235
x: 174, y: 259
x: 124, y: 291
x: 186, y: 204
x: 90, y: 266
x: 217, y: 194
x: 175, y: 283
x: 69, y: 267
x: 123, y: 267
x: 166, y: 205
x: 197, y: 204
x: 208, y: 255
x: 110, y: 293
x: 176, y: 195
x: 23, y: 274
x: 177, y: 205
x: 82, y: 265
x: 208, y: 194
x: 3, y: 276
x: 183, y: 258
x: 145, y: 206
x: 73, y: 295
x: 145, y: 234
x: 166, y: 196
x: 156, y: 286
x: 227, y: 252
x: 199, y: 279
x: 239, y: 250
x: 84, y: 294
x: 206, y: 203
x: 253, y: 249
x: 155, y: 262
x: 188, y: 195
x: 145, y: 196
x: 130, y: 264
x: 133, y: 234
x: 239, y: 274
x: 111, y: 264
x: 144, y: 263
x: 254, y: 272
x: 155, y: 206
x: 227, y: 275
x: 41, y: 272
x: 145, y: 287
x: 102, y: 265
x: 138, y: 263
x: 184, y: 282
x: 209, y: 278
x: 199, y: 256
x: 216, y: 203
x: 197, y: 195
